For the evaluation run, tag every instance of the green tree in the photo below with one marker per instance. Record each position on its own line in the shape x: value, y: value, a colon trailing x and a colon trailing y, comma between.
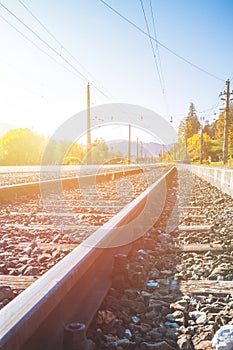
x: 75, y: 154
x: 21, y: 147
x: 181, y: 132
x: 99, y: 151
x: 192, y: 124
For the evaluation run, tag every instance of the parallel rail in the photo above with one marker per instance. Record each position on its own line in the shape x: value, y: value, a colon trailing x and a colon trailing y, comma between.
x: 12, y: 192
x: 73, y: 289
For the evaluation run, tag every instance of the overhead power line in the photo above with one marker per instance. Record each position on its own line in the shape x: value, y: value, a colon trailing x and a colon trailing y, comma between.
x: 156, y: 43
x: 152, y: 47
x: 155, y: 58
x: 62, y: 47
x: 159, y: 43
x: 34, y: 44
x: 74, y: 71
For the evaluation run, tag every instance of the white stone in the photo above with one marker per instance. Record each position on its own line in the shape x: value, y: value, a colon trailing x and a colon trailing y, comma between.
x: 223, y: 338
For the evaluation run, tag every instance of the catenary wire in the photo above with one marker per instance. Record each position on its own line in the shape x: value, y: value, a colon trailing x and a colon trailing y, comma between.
x: 156, y: 43
x: 155, y: 58
x: 54, y: 50
x: 38, y: 47
x: 62, y: 46
x: 152, y: 46
x: 47, y: 54
x: 159, y: 43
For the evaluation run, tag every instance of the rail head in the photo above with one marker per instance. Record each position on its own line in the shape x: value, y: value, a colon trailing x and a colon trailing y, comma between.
x: 21, y: 190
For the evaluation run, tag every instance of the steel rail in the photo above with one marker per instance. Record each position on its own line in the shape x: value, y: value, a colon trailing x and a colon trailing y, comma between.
x: 73, y: 290
x: 12, y: 192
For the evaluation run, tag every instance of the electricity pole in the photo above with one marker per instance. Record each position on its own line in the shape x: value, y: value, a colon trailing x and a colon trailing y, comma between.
x: 129, y: 145
x: 201, y: 140
x: 137, y: 152
x: 174, y: 154
x: 226, y: 93
x: 88, y: 125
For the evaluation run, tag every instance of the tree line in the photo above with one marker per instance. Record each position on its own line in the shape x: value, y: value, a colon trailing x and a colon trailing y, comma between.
x: 25, y: 147
x: 190, y: 131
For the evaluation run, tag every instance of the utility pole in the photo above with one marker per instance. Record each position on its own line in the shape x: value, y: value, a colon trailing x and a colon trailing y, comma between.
x: 201, y: 140
x: 226, y: 93
x: 141, y: 149
x: 162, y: 153
x: 186, y: 145
x: 137, y: 152
x: 174, y: 154
x: 201, y: 148
x: 129, y: 145
x: 88, y: 125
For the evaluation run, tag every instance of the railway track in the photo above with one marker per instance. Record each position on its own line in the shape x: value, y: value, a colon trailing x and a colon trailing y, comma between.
x: 169, y: 283
x: 31, y: 243
x: 177, y: 287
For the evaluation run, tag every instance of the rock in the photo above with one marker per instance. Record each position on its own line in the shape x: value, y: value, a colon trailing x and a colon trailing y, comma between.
x: 165, y: 273
x: 165, y: 237
x: 27, y: 251
x: 154, y: 273
x: 172, y: 324
x: 203, y: 345
x: 199, y: 316
x: 184, y: 342
x: 156, y: 334
x: 44, y: 258
x: 3, y: 244
x: 156, y: 306
x: 6, y: 293
x: 177, y: 316
x: 105, y: 317
x: 135, y: 319
x: 128, y: 333
x: 124, y: 342
x: 151, y: 315
x: 163, y: 345
x: 33, y: 245
x: 181, y: 305
x: 152, y: 285
x: 31, y: 271
x: 144, y: 327
x: 223, y: 338
x: 3, y: 269
x: 139, y: 307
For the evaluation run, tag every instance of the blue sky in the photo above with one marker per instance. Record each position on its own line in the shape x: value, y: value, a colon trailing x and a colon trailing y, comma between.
x: 37, y: 92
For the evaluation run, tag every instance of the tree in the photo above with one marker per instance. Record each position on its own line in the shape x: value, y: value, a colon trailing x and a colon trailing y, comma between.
x: 218, y: 130
x: 192, y: 124
x: 75, y: 154
x: 181, y: 132
x: 21, y: 147
x: 99, y: 151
